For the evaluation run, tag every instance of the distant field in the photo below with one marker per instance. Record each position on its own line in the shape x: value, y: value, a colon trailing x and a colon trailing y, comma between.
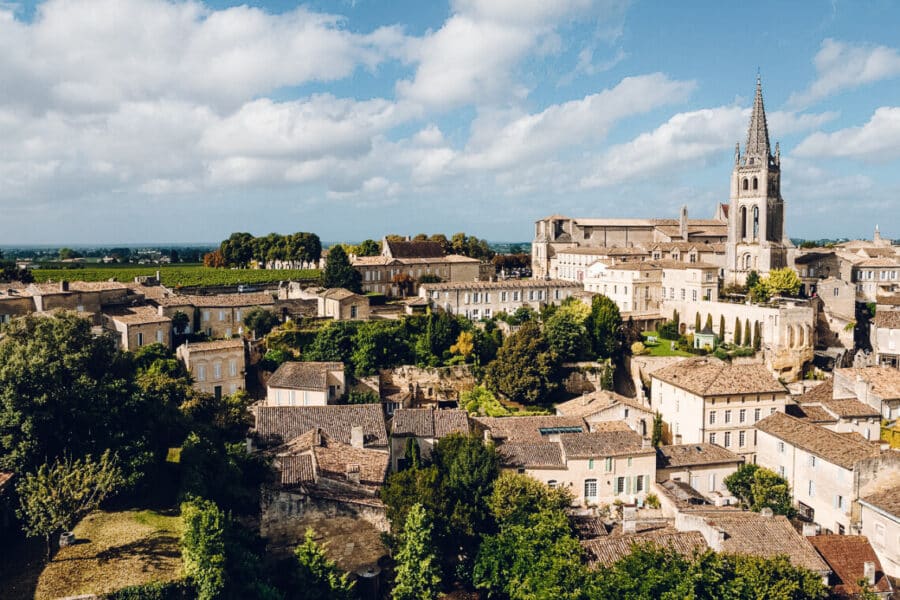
x: 176, y: 276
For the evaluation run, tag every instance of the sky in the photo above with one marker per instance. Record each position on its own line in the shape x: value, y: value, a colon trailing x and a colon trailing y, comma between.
x: 132, y: 121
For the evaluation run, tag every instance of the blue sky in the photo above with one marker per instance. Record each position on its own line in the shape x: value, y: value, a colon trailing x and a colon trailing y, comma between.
x: 156, y: 121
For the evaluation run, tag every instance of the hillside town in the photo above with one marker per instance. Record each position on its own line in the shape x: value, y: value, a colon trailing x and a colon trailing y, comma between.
x: 662, y: 395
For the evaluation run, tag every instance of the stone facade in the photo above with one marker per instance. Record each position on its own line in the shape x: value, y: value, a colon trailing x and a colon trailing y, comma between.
x: 484, y: 299
x: 139, y: 326
x: 217, y: 367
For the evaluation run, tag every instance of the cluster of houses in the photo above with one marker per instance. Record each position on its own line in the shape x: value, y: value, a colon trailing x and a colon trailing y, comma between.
x: 332, y: 460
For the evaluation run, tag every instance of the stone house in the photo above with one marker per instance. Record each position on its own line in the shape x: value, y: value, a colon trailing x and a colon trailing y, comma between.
x: 88, y: 298
x: 276, y: 425
x: 838, y: 298
x: 484, y: 299
x: 218, y: 316
x: 885, y: 338
x: 703, y: 466
x: 708, y: 400
x: 880, y: 517
x: 610, y: 462
x: 826, y: 469
x: 572, y: 264
x: 852, y: 560
x: 306, y: 384
x: 343, y: 305
x: 602, y: 406
x: 139, y: 326
x: 426, y: 426
x: 843, y: 415
x: 876, y: 276
x: 879, y: 387
x: 217, y: 367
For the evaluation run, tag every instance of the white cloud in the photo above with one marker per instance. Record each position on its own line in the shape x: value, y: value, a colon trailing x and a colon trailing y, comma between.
x: 877, y: 141
x: 842, y: 66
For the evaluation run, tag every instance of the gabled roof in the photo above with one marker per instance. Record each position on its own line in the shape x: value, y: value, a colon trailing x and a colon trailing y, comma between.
x: 136, y: 315
x: 607, y: 550
x: 279, y: 424
x: 691, y: 455
x: 884, y: 381
x: 421, y: 249
x: 529, y: 429
x: 329, y: 458
x: 847, y: 555
x: 428, y: 422
x: 595, y: 402
x: 598, y: 444
x: 828, y: 445
x: 886, y: 500
x: 294, y: 375
x: 887, y: 319
x: 709, y: 376
x: 531, y: 455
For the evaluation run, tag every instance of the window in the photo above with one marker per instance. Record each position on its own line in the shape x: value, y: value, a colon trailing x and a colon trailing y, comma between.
x: 694, y: 295
x: 812, y: 461
x: 354, y: 312
x: 727, y: 439
x: 772, y: 411
x: 742, y: 439
x: 159, y: 336
x: 781, y: 470
x: 836, y: 291
x: 221, y: 315
x: 551, y: 483
x: 228, y: 332
x: 742, y: 415
x: 591, y: 463
x: 712, y: 417
x: 839, y: 502
x: 140, y: 340
x: 206, y: 315
x: 682, y: 293
x: 609, y: 464
x: 712, y: 438
x: 712, y: 482
x: 620, y: 485
x: 639, y: 483
x: 590, y: 488
x: 630, y: 461
x: 232, y: 367
x: 237, y: 315
x: 217, y: 370
x: 811, y: 488
x: 781, y: 447
x: 728, y: 416
x: 201, y: 372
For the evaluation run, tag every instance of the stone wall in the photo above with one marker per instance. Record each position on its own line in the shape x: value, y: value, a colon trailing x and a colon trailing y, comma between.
x: 281, y: 510
x: 429, y: 384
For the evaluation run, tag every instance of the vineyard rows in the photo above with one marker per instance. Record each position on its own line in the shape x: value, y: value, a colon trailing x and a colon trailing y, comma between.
x: 178, y: 276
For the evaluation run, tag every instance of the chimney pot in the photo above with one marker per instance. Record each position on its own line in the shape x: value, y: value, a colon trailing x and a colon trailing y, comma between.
x: 869, y: 572
x: 356, y: 436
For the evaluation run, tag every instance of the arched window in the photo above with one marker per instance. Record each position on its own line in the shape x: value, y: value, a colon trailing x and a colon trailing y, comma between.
x: 755, y: 184
x: 744, y: 220
x: 746, y: 184
x: 755, y: 222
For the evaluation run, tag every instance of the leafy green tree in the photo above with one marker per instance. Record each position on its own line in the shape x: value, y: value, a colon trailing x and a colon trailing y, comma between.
x: 405, y: 488
x: 260, y: 321
x: 657, y: 437
x: 316, y: 576
x: 237, y: 250
x: 180, y: 322
x: 747, y: 333
x: 464, y: 346
x: 722, y: 328
x: 516, y: 497
x: 418, y: 571
x: 758, y: 488
x: 334, y: 342
x: 757, y: 336
x: 67, y: 254
x: 367, y: 248
x: 66, y: 392
x: 9, y: 273
x: 339, y: 273
x: 55, y: 497
x: 753, y: 577
x: 412, y: 454
x: 379, y: 345
x: 203, y: 547
x: 752, y: 279
x: 783, y: 282
x: 526, y: 368
x: 603, y: 326
x: 566, y: 336
x: 364, y: 397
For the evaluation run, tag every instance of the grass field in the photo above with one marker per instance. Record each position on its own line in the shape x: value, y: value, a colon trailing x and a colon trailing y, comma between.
x: 176, y: 276
x: 662, y: 347
x: 114, y: 550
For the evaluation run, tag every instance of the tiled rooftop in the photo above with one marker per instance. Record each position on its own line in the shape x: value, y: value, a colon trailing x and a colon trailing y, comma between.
x: 687, y: 455
x: 502, y: 285
x: 136, y: 315
x: 428, y: 422
x: 215, y: 345
x: 603, y: 443
x: 708, y: 376
x: 278, y: 424
x: 826, y: 444
x: 531, y: 455
x: 885, y: 381
x: 294, y: 375
x: 219, y: 300
x: 595, y: 402
x: 333, y: 459
x: 846, y: 555
x: 607, y: 550
x: 886, y: 499
x: 887, y: 319
x: 527, y: 429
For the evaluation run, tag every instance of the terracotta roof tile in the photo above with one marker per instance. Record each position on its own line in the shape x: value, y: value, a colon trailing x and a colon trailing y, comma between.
x: 826, y: 444
x: 277, y: 424
x: 531, y: 455
x: 846, y: 555
x: 603, y: 443
x: 606, y: 551
x: 595, y: 402
x: 219, y: 300
x: 712, y: 377
x: 887, y: 319
x: 814, y: 413
x: 885, y: 381
x: 528, y: 429
x: 685, y: 455
x: 422, y: 249
x: 887, y: 499
x: 428, y: 422
x: 215, y: 345
x: 136, y: 315
x: 294, y: 375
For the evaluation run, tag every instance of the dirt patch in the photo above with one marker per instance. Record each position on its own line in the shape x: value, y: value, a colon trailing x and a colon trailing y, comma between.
x: 352, y: 543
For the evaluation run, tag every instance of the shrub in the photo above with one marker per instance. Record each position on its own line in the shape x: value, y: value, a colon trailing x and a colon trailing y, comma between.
x: 669, y: 330
x: 169, y: 590
x: 652, y: 500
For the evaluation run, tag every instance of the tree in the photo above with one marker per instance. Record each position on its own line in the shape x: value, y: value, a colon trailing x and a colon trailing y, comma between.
x: 603, y: 326
x: 260, y: 321
x: 709, y: 322
x: 757, y: 336
x: 333, y: 343
x: 367, y: 248
x: 747, y: 333
x: 758, y: 488
x: 566, y: 336
x: 180, y: 322
x: 379, y: 345
x: 214, y: 259
x: 203, y: 547
x: 722, y: 328
x: 418, y: 572
x: 783, y: 282
x: 9, y: 273
x: 316, y: 577
x: 657, y: 438
x: 412, y: 454
x: 67, y: 254
x: 737, y: 331
x: 339, y: 273
x: 516, y: 497
x: 752, y: 279
x: 525, y: 369
x: 55, y: 497
x: 237, y: 250
x: 697, y: 321
x: 464, y: 346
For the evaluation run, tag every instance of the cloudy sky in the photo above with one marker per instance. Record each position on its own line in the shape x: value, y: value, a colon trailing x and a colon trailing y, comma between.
x: 161, y: 121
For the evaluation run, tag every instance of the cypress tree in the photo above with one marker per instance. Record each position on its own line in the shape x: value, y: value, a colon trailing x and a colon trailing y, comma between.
x: 722, y: 328
x: 697, y: 321
x: 418, y: 571
x: 737, y: 331
x: 708, y: 321
x: 757, y: 336
x: 747, y: 333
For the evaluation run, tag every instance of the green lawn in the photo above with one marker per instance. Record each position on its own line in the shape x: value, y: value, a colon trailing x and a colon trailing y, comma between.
x: 662, y: 347
x: 114, y: 550
x: 177, y: 275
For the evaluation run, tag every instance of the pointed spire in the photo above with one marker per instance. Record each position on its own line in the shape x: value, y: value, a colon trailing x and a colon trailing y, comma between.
x: 758, y: 133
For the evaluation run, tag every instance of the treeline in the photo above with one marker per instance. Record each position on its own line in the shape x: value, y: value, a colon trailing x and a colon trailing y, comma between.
x: 458, y: 243
x: 242, y: 248
x: 456, y: 521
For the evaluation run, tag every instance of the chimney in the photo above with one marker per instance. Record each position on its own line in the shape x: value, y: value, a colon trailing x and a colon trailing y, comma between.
x: 869, y: 572
x: 488, y: 436
x: 629, y: 519
x: 683, y: 223
x: 585, y: 400
x: 766, y: 513
x: 159, y: 310
x: 64, y: 286
x: 157, y: 276
x: 809, y: 529
x: 353, y: 473
x: 356, y: 436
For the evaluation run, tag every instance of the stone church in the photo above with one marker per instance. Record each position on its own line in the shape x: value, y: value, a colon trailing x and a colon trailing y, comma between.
x: 747, y: 233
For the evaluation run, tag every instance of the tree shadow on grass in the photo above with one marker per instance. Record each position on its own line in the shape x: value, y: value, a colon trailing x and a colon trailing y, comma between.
x: 156, y: 551
x: 21, y: 564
